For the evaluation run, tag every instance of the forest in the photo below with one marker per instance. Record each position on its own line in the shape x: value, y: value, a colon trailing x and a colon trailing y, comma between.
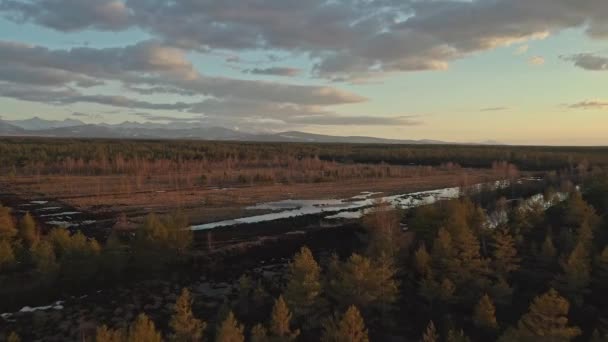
x: 492, y: 265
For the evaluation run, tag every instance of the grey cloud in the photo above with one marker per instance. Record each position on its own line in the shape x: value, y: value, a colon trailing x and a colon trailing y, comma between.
x: 275, y: 71
x: 70, y: 96
x: 493, y: 109
x: 149, y: 67
x: 70, y: 15
x: 589, y: 104
x: 588, y: 61
x: 347, y: 38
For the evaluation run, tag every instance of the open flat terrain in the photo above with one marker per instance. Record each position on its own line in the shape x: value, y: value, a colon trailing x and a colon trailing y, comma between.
x: 114, y: 195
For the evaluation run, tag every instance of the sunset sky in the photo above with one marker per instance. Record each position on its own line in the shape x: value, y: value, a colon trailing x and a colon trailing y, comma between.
x: 513, y: 71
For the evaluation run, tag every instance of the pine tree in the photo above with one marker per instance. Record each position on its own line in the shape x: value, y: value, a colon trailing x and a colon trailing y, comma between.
x: 185, y: 326
x: 259, y: 334
x: 548, y: 251
x: 28, y: 231
x: 505, y: 258
x: 362, y: 282
x: 457, y: 336
x: 484, y: 315
x: 230, y: 330
x: 104, y: 334
x: 601, y: 270
x: 280, y: 322
x: 576, y: 274
x: 350, y: 328
x: 7, y: 225
x: 13, y: 337
x: 143, y: 329
x: 430, y: 335
x: 546, y: 319
x: 7, y: 256
x: 422, y: 260
x: 303, y: 284
x: 43, y: 256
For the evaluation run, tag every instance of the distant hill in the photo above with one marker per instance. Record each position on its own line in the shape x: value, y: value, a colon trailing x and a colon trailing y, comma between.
x: 134, y: 130
x: 37, y: 124
x: 8, y: 129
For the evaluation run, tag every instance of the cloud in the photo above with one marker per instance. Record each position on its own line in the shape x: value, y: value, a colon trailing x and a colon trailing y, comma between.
x: 148, y: 67
x: 347, y: 39
x: 588, y: 61
x: 275, y: 71
x: 522, y: 49
x: 589, y: 104
x: 70, y: 15
x: 536, y: 60
x: 493, y: 109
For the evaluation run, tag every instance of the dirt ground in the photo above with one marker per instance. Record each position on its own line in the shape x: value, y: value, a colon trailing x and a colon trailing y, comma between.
x: 206, y: 204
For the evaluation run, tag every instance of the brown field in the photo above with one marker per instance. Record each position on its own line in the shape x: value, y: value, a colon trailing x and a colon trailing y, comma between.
x: 135, y: 196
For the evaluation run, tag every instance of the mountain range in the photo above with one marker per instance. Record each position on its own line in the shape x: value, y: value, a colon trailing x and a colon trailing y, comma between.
x: 71, y: 128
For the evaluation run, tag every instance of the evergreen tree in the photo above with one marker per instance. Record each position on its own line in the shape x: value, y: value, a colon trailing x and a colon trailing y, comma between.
x: 422, y: 260
x: 363, y: 282
x: 43, y: 256
x: 7, y: 256
x: 546, y: 320
x: 280, y: 322
x: 505, y: 258
x: 430, y: 335
x: 350, y: 328
x: 576, y: 274
x: 601, y: 270
x: 13, y: 337
x: 230, y: 330
x: 484, y: 315
x: 383, y: 227
x: 457, y: 336
x: 183, y: 323
x: 303, y: 284
x: 548, y: 251
x: 104, y: 334
x: 7, y: 225
x: 28, y: 231
x: 259, y: 334
x: 143, y: 329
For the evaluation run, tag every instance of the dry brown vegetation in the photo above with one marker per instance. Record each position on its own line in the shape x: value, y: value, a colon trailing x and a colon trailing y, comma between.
x: 223, y: 195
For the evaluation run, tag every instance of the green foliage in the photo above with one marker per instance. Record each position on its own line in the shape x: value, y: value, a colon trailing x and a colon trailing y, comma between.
x: 303, y: 284
x: 349, y: 328
x: 143, y: 329
x: 185, y: 326
x: 230, y: 330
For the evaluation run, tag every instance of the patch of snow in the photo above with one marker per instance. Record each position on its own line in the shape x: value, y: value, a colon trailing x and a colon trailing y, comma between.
x: 39, y: 202
x: 295, y: 208
x: 66, y: 213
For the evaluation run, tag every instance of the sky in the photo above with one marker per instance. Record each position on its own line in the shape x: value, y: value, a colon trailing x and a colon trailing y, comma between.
x: 512, y: 71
